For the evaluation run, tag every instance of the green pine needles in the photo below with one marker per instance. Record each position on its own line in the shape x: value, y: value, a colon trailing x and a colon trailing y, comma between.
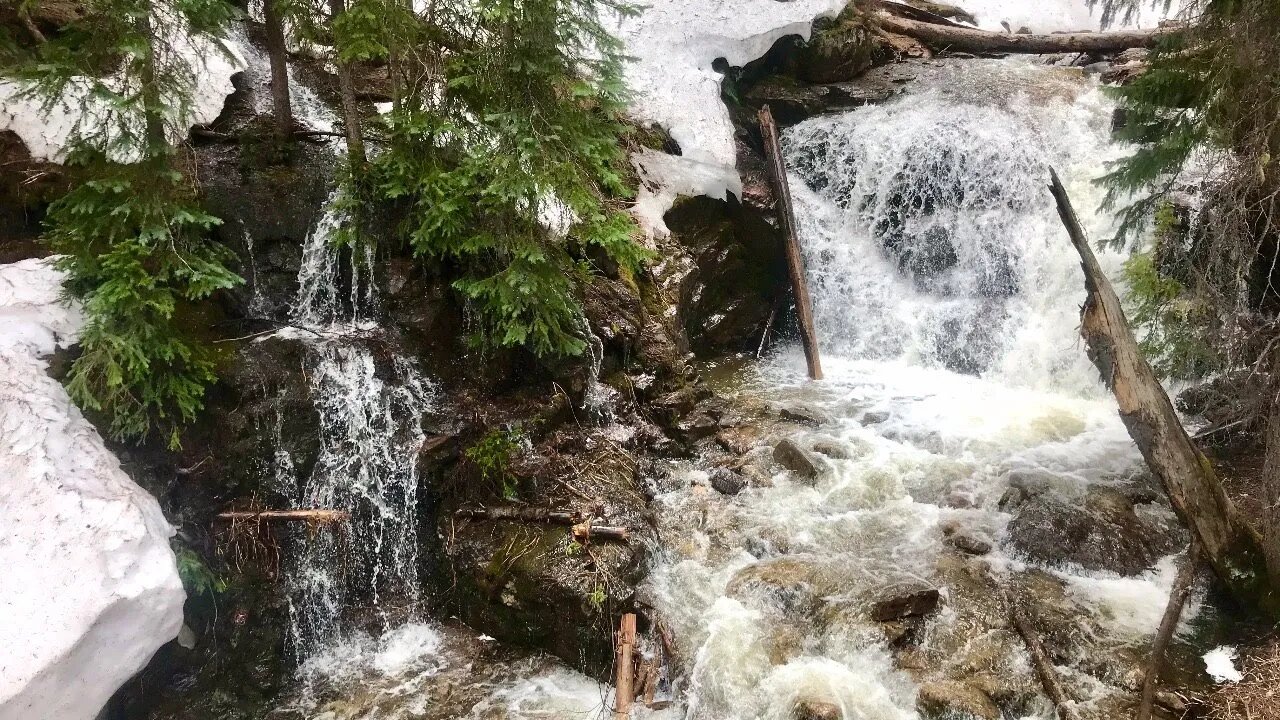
x: 132, y: 238
x: 505, y: 148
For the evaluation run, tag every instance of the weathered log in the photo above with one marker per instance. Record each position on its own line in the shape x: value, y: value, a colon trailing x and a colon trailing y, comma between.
x: 1023, y: 623
x: 1230, y: 544
x: 795, y: 261
x: 623, y: 686
x: 585, y: 532
x: 1182, y: 584
x: 965, y: 39
x: 925, y: 11
x: 521, y: 514
x: 318, y: 517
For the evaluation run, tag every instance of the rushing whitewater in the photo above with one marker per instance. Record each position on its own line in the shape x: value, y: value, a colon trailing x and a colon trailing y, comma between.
x: 946, y: 299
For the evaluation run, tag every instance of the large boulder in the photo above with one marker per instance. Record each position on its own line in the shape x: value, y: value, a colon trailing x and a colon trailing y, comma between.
x: 91, y: 587
x: 1102, y: 533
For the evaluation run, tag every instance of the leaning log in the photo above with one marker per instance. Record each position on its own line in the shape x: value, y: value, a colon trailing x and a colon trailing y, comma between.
x: 521, y: 514
x: 318, y: 517
x: 965, y: 39
x: 1182, y: 585
x: 795, y: 261
x: 1230, y: 544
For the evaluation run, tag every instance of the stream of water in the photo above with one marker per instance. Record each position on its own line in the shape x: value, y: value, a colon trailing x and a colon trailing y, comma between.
x: 947, y: 301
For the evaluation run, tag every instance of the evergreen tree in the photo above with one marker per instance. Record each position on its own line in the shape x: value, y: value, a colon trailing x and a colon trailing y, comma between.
x: 504, y: 144
x: 134, y: 242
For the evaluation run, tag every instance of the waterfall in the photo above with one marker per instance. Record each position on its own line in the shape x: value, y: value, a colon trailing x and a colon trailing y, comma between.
x: 370, y: 401
x: 946, y: 296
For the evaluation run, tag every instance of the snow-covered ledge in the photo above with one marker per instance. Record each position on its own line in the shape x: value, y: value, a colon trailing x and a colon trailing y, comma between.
x: 89, y: 587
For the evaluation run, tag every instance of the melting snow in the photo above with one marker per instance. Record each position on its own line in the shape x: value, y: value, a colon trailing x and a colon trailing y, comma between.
x: 1220, y: 664
x: 90, y: 585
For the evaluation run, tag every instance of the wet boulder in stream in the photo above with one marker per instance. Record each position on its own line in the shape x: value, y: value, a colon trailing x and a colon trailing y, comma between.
x: 802, y: 463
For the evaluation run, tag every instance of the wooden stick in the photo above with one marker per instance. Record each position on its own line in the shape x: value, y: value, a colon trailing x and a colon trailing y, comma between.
x: 1188, y: 570
x: 321, y: 517
x: 1040, y: 659
x: 952, y: 37
x: 624, y: 690
x: 795, y: 261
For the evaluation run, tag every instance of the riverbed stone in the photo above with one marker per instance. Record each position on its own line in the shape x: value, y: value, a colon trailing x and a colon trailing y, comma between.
x: 951, y: 699
x: 816, y: 710
x: 727, y: 481
x: 1102, y: 533
x: 805, y: 414
x: 799, y: 461
x: 904, y: 602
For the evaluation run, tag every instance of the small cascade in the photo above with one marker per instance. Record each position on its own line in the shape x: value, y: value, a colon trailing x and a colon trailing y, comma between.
x: 598, y: 398
x: 370, y: 401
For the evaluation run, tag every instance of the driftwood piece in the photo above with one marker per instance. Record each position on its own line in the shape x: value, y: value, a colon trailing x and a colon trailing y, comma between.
x: 965, y: 39
x: 585, y: 532
x: 623, y: 686
x: 1025, y: 625
x: 1230, y: 544
x: 318, y: 517
x: 795, y: 261
x: 1182, y: 584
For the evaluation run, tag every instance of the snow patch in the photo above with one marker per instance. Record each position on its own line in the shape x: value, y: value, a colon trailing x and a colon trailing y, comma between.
x: 674, y: 43
x: 1221, y: 666
x: 91, y: 587
x: 48, y: 132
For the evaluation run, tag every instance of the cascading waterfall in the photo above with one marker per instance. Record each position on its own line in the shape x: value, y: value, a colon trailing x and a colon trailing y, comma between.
x: 370, y: 411
x: 946, y: 296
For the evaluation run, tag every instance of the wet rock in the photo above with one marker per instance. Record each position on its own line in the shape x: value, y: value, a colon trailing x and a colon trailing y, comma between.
x: 816, y: 710
x: 696, y: 427
x: 951, y: 698
x: 793, y: 586
x: 1102, y: 533
x: 899, y: 603
x: 738, y: 440
x: 1011, y: 499
x: 840, y: 49
x: 873, y: 417
x: 805, y: 414
x: 796, y: 459
x: 965, y: 540
x: 832, y: 449
x: 727, y: 482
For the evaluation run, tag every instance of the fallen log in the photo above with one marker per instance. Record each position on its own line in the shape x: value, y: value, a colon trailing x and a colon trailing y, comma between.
x: 965, y: 39
x: 318, y: 517
x: 1230, y: 544
x: 795, y: 261
x: 521, y: 514
x: 1022, y: 622
x: 624, y: 691
x: 1182, y: 583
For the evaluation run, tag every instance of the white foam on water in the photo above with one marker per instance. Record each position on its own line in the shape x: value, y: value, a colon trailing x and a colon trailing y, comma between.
x: 1220, y: 663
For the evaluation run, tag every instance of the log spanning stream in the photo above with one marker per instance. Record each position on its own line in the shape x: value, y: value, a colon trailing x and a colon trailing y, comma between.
x: 946, y: 297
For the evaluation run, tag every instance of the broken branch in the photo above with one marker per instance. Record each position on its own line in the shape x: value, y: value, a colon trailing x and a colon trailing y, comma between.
x: 1040, y: 659
x: 1187, y: 572
x: 318, y: 517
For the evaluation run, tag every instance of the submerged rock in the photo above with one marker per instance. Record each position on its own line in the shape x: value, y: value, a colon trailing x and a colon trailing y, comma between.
x: 816, y: 710
x: 805, y: 414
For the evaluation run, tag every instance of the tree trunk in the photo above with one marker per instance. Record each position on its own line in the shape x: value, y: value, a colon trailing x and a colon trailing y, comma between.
x: 1230, y: 544
x: 951, y: 37
x: 1271, y: 491
x: 350, y: 110
x: 277, y: 52
x: 153, y: 109
x: 795, y: 261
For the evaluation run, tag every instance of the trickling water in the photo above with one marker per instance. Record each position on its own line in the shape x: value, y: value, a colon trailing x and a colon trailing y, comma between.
x: 370, y: 402
x: 946, y: 297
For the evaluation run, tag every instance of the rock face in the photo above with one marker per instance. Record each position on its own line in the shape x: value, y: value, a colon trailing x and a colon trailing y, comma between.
x: 91, y: 587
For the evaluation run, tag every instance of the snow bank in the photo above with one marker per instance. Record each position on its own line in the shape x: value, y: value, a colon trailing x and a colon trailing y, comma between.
x: 674, y: 43
x: 90, y: 588
x: 47, y: 133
